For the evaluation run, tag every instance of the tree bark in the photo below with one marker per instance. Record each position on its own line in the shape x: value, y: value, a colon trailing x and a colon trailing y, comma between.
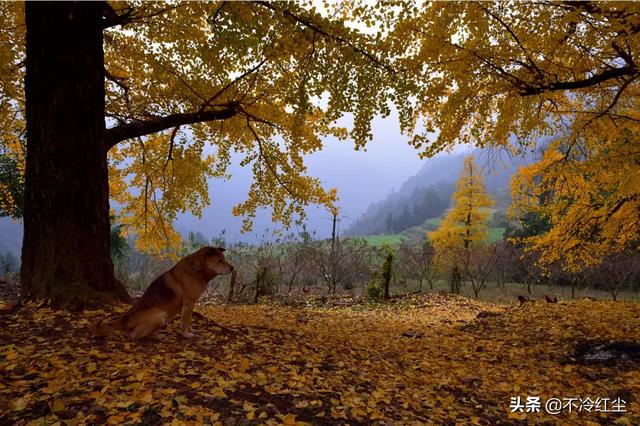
x: 259, y: 279
x: 66, y: 250
x: 232, y: 285
x: 386, y: 274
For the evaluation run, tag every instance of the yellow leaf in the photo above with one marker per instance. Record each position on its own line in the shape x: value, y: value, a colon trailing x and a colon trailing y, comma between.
x: 11, y: 355
x: 289, y: 419
x: 218, y: 393
x: 251, y: 415
x: 244, y: 365
x: 125, y: 403
x: 115, y: 420
x: 57, y: 406
x: 376, y: 415
x: 518, y: 416
x: 20, y: 403
x: 146, y: 397
x: 302, y: 404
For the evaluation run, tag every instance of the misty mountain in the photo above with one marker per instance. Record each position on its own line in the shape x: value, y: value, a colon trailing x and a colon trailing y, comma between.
x: 427, y: 194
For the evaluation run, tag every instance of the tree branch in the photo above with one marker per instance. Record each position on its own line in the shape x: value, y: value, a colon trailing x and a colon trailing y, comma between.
x: 340, y: 40
x: 517, y: 40
x: 609, y: 74
x: 112, y: 18
x: 267, y: 162
x: 122, y: 132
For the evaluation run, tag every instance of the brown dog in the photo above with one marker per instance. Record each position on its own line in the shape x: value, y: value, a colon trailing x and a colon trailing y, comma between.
x: 175, y: 291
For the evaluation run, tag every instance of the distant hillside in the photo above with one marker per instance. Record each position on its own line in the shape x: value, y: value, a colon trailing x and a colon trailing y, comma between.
x: 427, y: 195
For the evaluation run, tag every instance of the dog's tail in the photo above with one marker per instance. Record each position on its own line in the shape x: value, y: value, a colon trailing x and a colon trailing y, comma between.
x: 104, y: 327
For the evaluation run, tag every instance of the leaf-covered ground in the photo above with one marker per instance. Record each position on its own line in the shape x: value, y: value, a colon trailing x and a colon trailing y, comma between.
x: 424, y: 360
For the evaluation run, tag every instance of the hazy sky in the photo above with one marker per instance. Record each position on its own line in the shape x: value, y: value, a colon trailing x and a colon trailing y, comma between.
x: 361, y: 178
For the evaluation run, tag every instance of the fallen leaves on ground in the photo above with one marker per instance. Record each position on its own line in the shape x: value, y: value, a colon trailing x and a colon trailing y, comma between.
x: 426, y: 360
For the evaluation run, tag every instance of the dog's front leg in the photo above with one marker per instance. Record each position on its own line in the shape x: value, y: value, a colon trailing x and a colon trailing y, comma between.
x: 187, y: 310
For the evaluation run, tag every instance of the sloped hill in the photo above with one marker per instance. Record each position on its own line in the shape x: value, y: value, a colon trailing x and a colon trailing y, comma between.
x: 427, y: 195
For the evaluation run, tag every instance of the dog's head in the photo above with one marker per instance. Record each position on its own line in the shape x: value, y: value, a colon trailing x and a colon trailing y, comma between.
x: 212, y: 261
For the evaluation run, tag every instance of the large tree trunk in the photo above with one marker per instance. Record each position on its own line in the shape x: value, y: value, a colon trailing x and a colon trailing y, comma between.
x: 66, y: 249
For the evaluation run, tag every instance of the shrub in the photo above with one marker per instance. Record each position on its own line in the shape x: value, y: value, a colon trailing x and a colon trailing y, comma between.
x: 374, y: 290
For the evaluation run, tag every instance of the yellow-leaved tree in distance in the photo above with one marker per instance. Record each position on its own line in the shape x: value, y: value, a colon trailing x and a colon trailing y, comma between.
x: 461, y: 241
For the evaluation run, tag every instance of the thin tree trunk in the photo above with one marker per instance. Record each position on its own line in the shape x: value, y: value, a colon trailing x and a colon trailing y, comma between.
x: 66, y: 250
x: 232, y: 285
x: 386, y: 274
x: 261, y: 274
x: 333, y: 253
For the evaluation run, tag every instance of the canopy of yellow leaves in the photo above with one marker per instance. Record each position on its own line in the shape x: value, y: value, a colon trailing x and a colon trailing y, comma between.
x: 591, y: 197
x: 425, y: 361
x: 519, y: 74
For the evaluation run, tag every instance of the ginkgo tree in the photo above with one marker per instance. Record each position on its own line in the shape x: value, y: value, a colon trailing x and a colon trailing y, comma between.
x: 142, y: 102
x: 461, y: 240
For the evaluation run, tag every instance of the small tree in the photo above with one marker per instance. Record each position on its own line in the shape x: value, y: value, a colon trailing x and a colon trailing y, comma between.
x: 480, y: 267
x: 387, y: 270
x: 455, y: 280
x: 342, y: 266
x: 294, y: 259
x: 419, y: 261
x: 462, y: 236
x: 194, y: 241
x: 120, y: 251
x: 232, y: 285
x: 264, y: 259
x: 617, y: 271
x: 515, y: 263
x: 577, y: 279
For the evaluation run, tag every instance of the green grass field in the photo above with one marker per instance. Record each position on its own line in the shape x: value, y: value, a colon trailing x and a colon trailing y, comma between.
x: 417, y: 233
x: 378, y: 240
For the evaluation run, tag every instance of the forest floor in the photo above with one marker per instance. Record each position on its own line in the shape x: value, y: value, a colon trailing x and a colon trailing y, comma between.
x: 424, y: 359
